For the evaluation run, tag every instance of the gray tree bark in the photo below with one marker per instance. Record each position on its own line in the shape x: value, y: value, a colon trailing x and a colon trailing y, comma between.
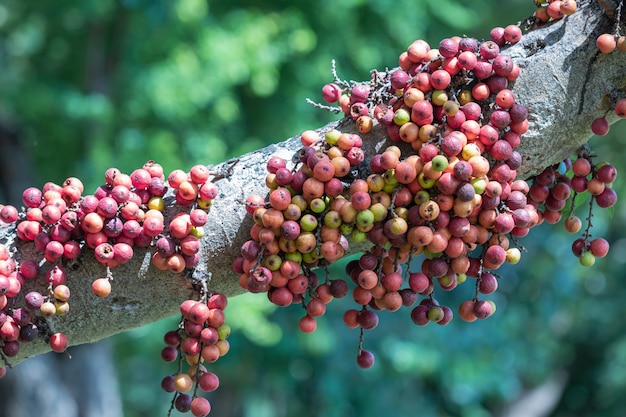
x: 565, y: 82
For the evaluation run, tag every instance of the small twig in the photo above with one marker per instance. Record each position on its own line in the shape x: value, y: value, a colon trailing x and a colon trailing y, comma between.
x: 333, y: 109
x: 618, y: 18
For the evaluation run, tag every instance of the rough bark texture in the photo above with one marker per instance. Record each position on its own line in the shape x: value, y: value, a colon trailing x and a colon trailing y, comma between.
x: 565, y: 82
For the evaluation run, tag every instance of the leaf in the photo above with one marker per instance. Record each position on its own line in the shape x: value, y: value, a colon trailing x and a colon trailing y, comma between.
x: 580, y: 199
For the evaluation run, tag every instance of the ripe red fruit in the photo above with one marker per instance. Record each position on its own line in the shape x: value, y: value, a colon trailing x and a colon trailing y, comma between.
x: 12, y: 348
x: 365, y: 359
x: 33, y: 300
x: 120, y: 193
x: 607, y: 198
x: 140, y: 178
x: 600, y: 126
x: 104, y: 253
x: 599, y: 247
x: 101, y: 287
x: 399, y: 79
x: 502, y: 65
x: 189, y: 245
x: 200, y: 407
x: 497, y: 35
x: 606, y: 43
x: 198, y: 217
x: 467, y: 60
x: 505, y: 99
x: 440, y: 79
x: 280, y: 198
x: 307, y: 324
x: 218, y: 301
x: 606, y: 173
x: 29, y: 269
x: 489, y: 50
x: 199, y: 174
x: 9, y: 331
x: 581, y: 167
x: 512, y: 33
x: 199, y: 313
x: 331, y: 93
x: 208, y: 382
x: 169, y: 354
x: 58, y: 342
x: 183, y: 401
x: 620, y: 108
x: 56, y: 276
x: 466, y: 311
x: 568, y: 7
x: 482, y: 309
x: 488, y: 283
x: 180, y: 226
x: 281, y: 296
x: 8, y: 214
x: 31, y: 197
x: 448, y: 47
x: 554, y: 10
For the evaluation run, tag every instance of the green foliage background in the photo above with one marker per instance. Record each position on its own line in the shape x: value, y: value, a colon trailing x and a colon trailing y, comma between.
x: 91, y: 85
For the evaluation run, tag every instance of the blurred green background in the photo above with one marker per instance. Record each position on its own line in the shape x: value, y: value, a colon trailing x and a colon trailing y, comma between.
x: 89, y: 85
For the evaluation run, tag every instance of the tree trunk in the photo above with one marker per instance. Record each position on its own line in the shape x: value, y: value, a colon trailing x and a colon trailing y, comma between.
x: 565, y: 82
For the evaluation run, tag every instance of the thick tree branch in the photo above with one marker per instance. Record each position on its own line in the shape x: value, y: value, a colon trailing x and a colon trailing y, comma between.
x: 565, y: 83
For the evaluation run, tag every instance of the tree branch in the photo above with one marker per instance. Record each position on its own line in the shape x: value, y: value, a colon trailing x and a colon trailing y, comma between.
x: 565, y: 83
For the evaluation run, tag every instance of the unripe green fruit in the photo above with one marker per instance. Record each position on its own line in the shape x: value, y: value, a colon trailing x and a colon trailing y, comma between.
x: 398, y: 226
x: 401, y: 116
x: 61, y: 308
x: 425, y: 182
x: 332, y: 219
x: 464, y: 97
x: 308, y: 222
x: 309, y: 257
x: 450, y: 108
x: 513, y: 255
x: 431, y: 255
x: 389, y: 188
x: 439, y: 97
x: 273, y: 262
x: 435, y: 314
x: 204, y: 204
x: 390, y: 178
x: 346, y: 228
x: 461, y: 278
x: 365, y: 218
x: 587, y: 259
x: 223, y: 331
x: 479, y: 185
x: 294, y: 256
x: 376, y: 183
x: 197, y: 231
x: 332, y: 136
x: 440, y: 163
x: 317, y: 205
x: 358, y: 236
x: 421, y: 197
x: 379, y: 210
x: 471, y: 149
